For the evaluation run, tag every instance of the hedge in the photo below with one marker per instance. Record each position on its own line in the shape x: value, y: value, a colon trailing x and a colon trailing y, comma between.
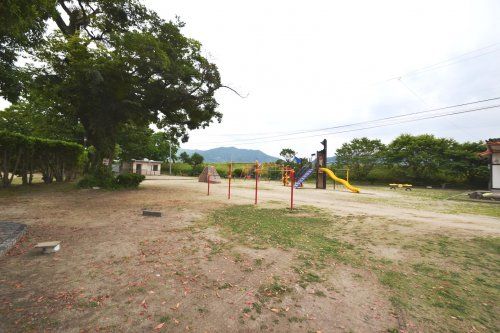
x: 22, y: 155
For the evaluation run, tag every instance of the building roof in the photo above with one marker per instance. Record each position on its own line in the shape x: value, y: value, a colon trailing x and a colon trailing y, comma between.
x: 493, y: 146
x: 146, y: 161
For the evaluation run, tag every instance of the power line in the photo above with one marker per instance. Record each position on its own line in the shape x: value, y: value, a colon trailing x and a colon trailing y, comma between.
x: 355, y: 124
x: 443, y: 63
x: 376, y: 126
x: 437, y: 65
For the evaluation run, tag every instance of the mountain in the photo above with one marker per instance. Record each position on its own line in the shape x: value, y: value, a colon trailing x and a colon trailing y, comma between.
x: 331, y: 159
x: 227, y: 154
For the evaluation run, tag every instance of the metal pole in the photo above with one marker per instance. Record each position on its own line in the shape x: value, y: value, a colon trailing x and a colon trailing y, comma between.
x: 208, y: 182
x: 230, y: 176
x: 292, y: 176
x: 170, y: 158
x: 256, y: 181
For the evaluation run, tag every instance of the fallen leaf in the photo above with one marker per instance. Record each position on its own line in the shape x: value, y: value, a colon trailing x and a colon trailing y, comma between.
x: 159, y: 326
x: 275, y: 310
x: 144, y: 304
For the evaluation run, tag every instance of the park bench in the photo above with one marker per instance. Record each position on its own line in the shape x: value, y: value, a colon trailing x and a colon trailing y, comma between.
x: 49, y: 247
x: 407, y: 187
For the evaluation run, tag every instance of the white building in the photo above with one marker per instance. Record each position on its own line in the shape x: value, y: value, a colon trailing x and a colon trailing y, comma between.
x: 142, y: 167
x: 494, y: 152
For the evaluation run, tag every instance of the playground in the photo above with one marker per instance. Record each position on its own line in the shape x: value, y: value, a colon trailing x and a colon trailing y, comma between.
x: 375, y: 261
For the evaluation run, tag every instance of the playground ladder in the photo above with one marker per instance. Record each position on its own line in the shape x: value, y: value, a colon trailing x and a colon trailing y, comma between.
x: 303, y: 178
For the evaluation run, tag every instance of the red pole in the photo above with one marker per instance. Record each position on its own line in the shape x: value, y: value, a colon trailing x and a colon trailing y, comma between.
x: 208, y: 182
x: 256, y: 181
x: 292, y: 176
x: 230, y: 176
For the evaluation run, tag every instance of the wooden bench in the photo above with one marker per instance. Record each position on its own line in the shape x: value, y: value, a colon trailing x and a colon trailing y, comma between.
x: 407, y: 187
x: 49, y: 247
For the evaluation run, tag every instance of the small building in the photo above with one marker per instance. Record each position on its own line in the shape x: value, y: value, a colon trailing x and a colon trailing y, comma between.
x: 494, y: 152
x: 142, y: 167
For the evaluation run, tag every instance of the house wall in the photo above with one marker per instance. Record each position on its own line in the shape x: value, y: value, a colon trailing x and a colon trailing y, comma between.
x: 147, y: 168
x: 495, y: 171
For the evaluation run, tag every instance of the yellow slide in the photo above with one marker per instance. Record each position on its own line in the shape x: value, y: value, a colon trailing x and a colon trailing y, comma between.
x: 340, y: 180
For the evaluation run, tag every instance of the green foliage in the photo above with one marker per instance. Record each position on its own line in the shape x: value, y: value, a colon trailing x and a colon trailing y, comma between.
x: 38, y: 120
x: 361, y: 155
x: 139, y: 142
x: 222, y: 172
x: 180, y: 169
x: 109, y: 181
x: 185, y: 157
x: 196, y: 159
x: 237, y: 172
x: 129, y: 180
x: 110, y: 63
x: 421, y: 160
x: 196, y: 170
x: 23, y: 24
x: 287, y: 154
x: 23, y: 155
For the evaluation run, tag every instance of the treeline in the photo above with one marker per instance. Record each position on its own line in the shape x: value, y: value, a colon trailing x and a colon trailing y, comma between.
x: 23, y: 156
x: 420, y: 160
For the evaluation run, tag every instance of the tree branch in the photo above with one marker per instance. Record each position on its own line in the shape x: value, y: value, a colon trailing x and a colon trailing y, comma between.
x: 61, y: 24
x: 233, y: 90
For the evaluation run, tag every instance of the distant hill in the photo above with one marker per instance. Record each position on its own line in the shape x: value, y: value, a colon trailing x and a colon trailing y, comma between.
x: 227, y: 154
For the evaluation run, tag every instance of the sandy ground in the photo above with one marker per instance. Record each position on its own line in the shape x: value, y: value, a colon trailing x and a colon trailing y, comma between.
x: 118, y: 271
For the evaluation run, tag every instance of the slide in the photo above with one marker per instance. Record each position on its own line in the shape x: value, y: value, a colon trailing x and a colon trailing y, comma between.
x: 340, y: 180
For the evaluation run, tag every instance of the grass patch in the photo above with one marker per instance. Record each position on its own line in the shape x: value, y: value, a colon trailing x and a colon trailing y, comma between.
x: 304, y: 229
x: 444, y: 283
x: 454, y: 284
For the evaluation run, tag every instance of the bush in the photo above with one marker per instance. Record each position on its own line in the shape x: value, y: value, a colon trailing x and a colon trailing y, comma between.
x: 23, y: 155
x: 129, y: 180
x: 196, y: 170
x: 237, y: 172
x: 222, y: 172
x: 108, y: 181
x: 181, y: 169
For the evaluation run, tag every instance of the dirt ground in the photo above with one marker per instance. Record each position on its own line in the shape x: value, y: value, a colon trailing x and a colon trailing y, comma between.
x: 118, y: 271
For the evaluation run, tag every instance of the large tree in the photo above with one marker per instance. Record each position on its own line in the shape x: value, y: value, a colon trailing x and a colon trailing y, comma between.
x: 110, y: 63
x: 421, y: 157
x: 360, y: 155
x: 138, y: 142
x: 288, y: 154
x: 23, y: 23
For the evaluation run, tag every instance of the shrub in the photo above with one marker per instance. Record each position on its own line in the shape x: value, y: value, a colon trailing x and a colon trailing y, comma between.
x: 221, y: 172
x: 237, y: 172
x: 196, y: 170
x: 129, y: 180
x: 108, y: 181
x: 181, y: 169
x: 23, y: 155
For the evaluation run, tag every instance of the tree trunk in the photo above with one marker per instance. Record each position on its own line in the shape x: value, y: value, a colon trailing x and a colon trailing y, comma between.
x: 18, y: 159
x: 5, y: 176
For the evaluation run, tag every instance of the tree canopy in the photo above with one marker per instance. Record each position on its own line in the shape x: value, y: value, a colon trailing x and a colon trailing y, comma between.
x: 112, y: 63
x: 361, y: 154
x: 420, y: 159
x: 288, y: 154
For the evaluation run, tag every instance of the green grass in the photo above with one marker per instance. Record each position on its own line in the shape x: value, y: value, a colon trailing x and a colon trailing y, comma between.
x: 445, y: 283
x: 303, y: 229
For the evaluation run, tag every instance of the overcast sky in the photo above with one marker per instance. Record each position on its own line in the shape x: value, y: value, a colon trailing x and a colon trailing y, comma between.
x: 316, y: 64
